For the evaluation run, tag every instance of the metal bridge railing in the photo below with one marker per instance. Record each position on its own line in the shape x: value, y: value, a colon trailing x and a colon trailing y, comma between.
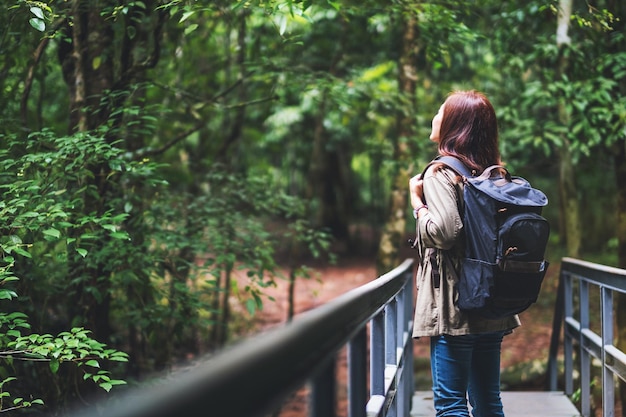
x: 589, y: 319
x: 255, y: 377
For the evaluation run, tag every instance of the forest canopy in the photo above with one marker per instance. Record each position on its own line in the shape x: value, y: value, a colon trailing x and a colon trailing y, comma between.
x: 152, y: 150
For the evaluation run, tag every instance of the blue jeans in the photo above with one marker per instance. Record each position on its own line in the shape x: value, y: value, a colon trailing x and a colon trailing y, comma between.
x: 463, y: 367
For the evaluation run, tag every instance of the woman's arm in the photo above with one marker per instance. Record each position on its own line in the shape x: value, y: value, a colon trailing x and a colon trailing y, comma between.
x: 439, y: 223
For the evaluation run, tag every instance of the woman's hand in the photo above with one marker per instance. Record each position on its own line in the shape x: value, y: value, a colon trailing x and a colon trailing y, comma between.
x: 416, y: 191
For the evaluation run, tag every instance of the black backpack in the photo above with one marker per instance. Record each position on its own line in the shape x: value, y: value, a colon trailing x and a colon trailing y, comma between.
x: 505, y: 241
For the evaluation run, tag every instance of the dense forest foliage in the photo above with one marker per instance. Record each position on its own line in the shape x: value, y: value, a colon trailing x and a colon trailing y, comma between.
x: 152, y: 150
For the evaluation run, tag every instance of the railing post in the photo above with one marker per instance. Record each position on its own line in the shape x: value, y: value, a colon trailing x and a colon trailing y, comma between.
x: 409, y: 387
x: 401, y: 331
x: 568, y: 347
x: 401, y: 335
x: 391, y: 352
x: 323, y: 391
x: 608, y: 386
x: 357, y: 377
x: 391, y: 325
x: 585, y: 357
x: 404, y: 348
x: 377, y: 360
x: 557, y: 325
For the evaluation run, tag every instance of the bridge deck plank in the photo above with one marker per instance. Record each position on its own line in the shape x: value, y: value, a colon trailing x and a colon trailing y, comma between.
x: 516, y: 404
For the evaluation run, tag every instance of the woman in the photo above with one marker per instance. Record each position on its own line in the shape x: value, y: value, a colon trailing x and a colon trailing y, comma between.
x: 465, y: 348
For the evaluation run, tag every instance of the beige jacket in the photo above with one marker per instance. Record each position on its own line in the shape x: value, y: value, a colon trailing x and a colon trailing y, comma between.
x: 439, y: 235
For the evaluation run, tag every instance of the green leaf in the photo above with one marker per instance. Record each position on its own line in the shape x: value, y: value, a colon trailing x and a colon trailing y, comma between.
x: 52, y: 233
x: 117, y: 382
x: 8, y: 379
x: 7, y: 295
x: 118, y: 359
x: 251, y: 306
x: 335, y: 4
x: 54, y: 365
x: 186, y: 16
x: 22, y: 252
x: 37, y: 12
x: 131, y: 32
x: 377, y: 71
x: 191, y: 28
x: 120, y: 235
x: 94, y: 363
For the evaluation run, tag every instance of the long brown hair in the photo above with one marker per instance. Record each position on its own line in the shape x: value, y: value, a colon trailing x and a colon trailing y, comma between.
x: 469, y: 130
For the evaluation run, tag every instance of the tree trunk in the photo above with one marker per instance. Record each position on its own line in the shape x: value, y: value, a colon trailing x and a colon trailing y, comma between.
x: 223, y: 324
x: 394, y: 229
x: 329, y: 171
x: 570, y: 209
x: 216, y: 310
x: 91, y: 39
x: 291, y: 293
x: 329, y: 180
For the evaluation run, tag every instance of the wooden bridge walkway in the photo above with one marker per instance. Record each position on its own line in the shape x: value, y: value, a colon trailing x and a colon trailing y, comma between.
x: 516, y: 404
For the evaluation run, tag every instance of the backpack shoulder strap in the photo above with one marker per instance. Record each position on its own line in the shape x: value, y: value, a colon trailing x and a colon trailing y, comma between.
x: 452, y: 162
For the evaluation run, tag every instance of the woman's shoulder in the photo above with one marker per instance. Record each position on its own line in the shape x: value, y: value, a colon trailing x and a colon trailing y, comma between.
x: 442, y: 172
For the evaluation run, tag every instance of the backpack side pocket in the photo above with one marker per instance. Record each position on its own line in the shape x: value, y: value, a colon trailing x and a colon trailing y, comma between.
x: 475, y: 280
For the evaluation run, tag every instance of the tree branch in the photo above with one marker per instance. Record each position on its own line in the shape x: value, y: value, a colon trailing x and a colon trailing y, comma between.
x: 30, y: 75
x: 178, y: 138
x: 181, y: 136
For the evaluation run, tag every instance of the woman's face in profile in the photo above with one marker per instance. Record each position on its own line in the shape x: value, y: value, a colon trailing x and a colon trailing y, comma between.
x: 436, y: 125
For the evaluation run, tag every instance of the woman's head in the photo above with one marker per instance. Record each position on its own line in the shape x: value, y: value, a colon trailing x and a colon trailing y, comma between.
x: 468, y: 129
